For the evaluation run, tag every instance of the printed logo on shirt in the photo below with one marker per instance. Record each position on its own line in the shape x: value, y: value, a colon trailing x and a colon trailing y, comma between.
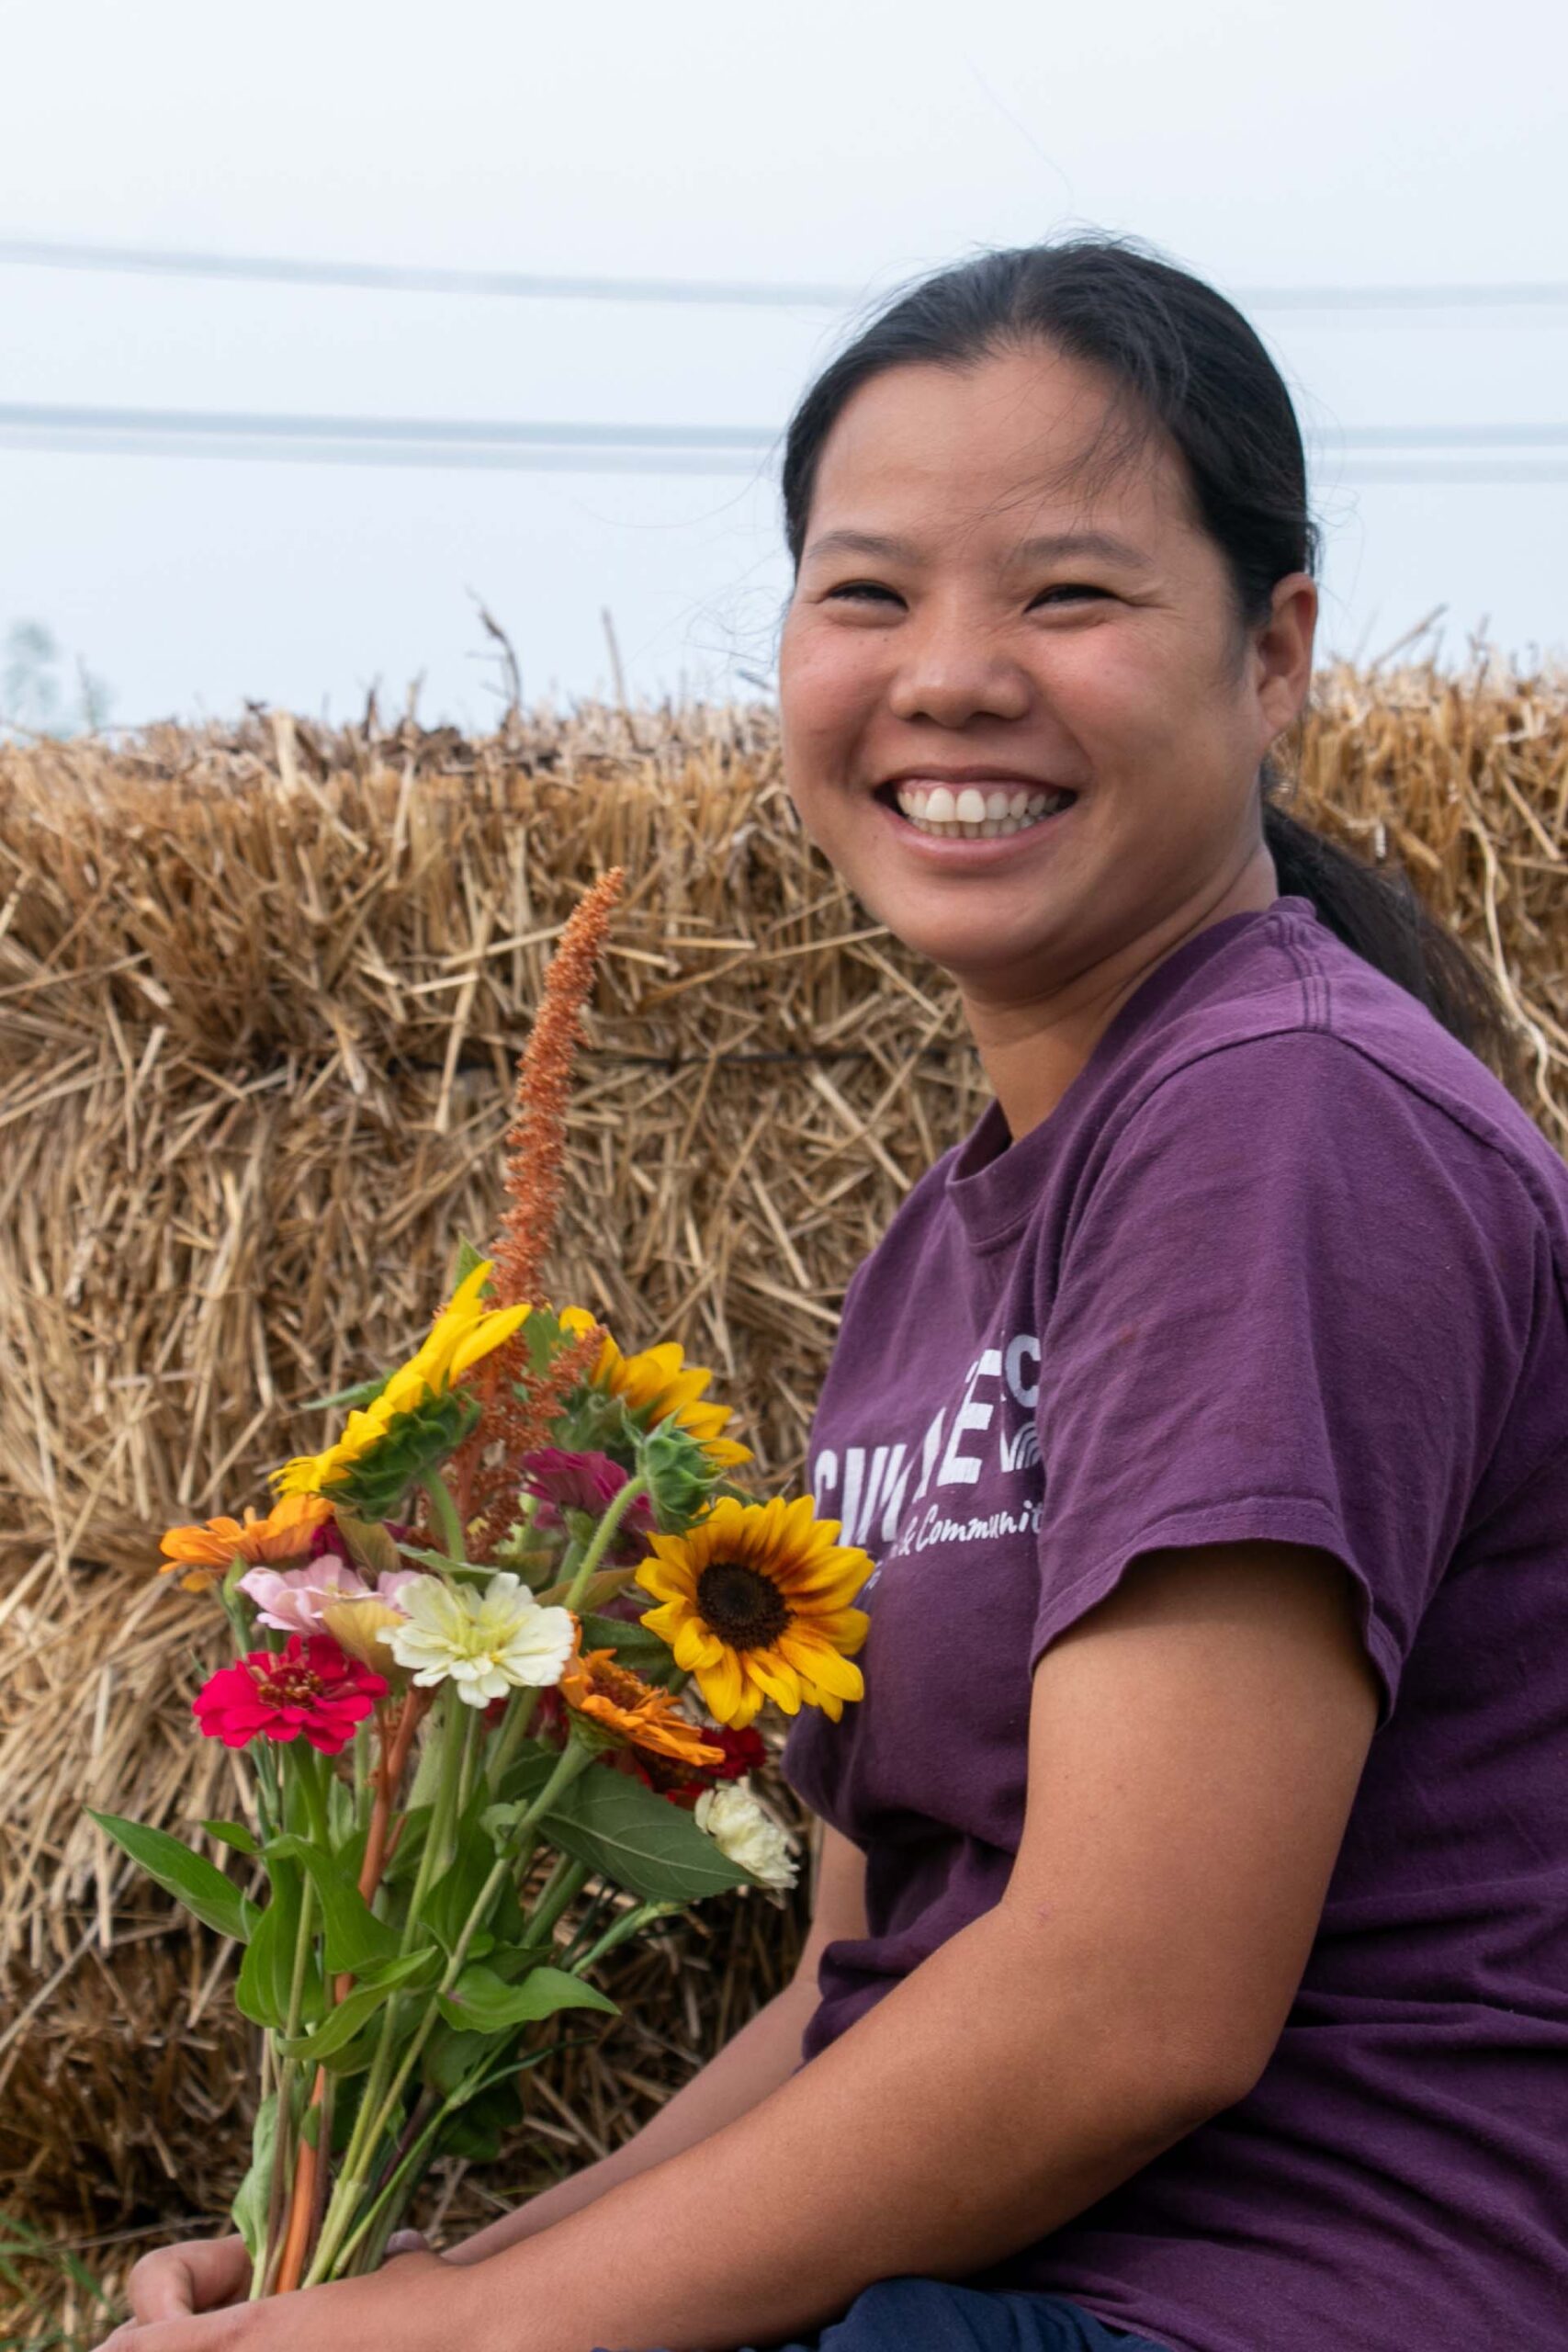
x: 874, y: 1492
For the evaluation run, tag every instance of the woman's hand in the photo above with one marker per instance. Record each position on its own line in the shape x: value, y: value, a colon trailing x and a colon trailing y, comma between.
x: 193, y: 2297
x: 197, y: 2275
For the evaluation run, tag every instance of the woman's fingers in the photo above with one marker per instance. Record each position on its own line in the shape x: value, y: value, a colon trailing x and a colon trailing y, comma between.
x: 201, y: 2275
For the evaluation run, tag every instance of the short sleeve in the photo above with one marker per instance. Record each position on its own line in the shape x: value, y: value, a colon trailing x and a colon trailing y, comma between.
x: 1282, y: 1311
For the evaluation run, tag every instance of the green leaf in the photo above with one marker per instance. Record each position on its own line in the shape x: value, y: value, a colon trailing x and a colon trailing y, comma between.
x: 624, y: 1832
x: 451, y: 2059
x: 232, y: 1833
x: 251, y: 2201
x: 199, y: 1885
x: 465, y: 1258
x: 341, y: 2023
x: 634, y: 1646
x: 413, y: 1971
x: 475, y: 2129
x: 482, y: 2002
x: 404, y: 1863
x: 368, y: 1543
x: 354, y: 1936
x: 602, y: 1587
x: 446, y: 1908
x: 362, y: 1393
x: 267, y: 1970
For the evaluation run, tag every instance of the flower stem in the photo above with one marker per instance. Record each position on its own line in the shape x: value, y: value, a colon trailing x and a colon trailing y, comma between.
x: 449, y: 1525
x: 356, y: 2163
x: 620, y: 1503
x: 561, y: 1889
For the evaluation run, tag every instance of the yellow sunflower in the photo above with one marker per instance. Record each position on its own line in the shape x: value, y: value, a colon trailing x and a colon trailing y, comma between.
x: 755, y: 1603
x: 620, y: 1701
x: 659, y: 1381
x: 461, y: 1334
x: 205, y: 1551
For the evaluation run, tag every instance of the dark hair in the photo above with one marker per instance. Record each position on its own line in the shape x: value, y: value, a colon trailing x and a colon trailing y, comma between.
x: 1188, y: 363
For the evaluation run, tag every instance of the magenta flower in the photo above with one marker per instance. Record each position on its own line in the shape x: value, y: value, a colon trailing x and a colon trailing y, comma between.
x: 308, y: 1689
x: 587, y: 1482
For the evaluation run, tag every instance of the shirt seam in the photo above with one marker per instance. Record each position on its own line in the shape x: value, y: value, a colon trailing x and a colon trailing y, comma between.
x: 1522, y: 1176
x: 1120, y: 1555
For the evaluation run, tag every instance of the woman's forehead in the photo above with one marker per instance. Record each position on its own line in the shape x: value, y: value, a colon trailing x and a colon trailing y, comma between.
x: 1019, y: 447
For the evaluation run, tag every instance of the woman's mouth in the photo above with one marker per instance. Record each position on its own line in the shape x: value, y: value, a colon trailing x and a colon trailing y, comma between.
x: 973, y: 811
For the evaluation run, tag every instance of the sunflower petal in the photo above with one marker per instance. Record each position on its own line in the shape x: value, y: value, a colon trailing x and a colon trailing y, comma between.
x: 724, y: 1691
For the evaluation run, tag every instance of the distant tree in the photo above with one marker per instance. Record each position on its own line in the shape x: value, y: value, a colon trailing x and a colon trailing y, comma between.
x: 42, y: 692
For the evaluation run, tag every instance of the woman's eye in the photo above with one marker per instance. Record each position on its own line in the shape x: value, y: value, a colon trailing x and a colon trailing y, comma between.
x: 1069, y: 592
x: 855, y: 589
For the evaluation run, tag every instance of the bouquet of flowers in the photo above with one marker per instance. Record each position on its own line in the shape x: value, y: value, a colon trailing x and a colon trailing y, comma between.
x: 499, y: 1648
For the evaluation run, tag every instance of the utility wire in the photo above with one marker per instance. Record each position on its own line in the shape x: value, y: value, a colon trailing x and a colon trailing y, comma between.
x: 598, y: 460
x: 390, y: 278
x: 268, y: 423
x: 750, y: 442
x: 464, y: 456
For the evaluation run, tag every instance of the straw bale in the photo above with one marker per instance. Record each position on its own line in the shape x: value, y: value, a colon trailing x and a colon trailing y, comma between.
x: 260, y: 992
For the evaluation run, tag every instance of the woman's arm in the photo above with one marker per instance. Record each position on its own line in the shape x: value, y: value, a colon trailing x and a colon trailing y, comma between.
x: 208, y: 2274
x: 1195, y: 1746
x: 763, y: 2054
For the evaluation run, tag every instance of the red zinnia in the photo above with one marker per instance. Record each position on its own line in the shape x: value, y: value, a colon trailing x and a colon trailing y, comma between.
x: 743, y: 1753
x: 310, y: 1688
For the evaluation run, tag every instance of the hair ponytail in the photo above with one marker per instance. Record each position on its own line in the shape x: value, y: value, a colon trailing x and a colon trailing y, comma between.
x: 1375, y: 911
x: 1191, y: 364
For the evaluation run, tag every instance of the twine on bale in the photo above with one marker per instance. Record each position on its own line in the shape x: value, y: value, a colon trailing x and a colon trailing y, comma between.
x: 258, y: 1016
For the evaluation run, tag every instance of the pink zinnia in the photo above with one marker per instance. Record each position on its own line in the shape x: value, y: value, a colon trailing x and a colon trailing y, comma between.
x: 308, y: 1690
x: 587, y: 1482
x: 291, y: 1600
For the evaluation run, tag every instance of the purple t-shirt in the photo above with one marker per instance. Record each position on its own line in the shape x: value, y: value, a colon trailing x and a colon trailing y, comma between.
x: 1285, y: 1263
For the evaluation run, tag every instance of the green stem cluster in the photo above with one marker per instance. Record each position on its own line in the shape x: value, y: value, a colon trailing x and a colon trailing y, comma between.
x: 382, y: 2099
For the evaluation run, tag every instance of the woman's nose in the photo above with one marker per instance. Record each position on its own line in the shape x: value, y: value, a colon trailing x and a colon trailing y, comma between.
x: 951, y: 673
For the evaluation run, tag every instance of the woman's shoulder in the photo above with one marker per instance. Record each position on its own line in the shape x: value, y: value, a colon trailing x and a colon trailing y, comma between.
x: 1290, y: 1041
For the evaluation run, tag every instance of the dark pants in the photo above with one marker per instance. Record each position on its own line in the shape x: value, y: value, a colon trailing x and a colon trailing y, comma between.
x: 923, y: 2315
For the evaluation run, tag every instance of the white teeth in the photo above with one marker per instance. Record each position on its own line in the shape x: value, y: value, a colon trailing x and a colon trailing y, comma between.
x: 971, y: 814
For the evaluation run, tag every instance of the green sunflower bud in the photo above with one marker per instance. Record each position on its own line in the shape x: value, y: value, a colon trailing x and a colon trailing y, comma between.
x: 681, y: 1478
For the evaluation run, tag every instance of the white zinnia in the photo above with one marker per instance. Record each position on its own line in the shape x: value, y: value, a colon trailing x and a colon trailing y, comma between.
x: 487, y: 1639
x: 740, y: 1829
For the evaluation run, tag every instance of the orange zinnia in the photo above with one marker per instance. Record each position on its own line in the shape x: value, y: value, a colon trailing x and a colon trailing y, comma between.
x: 639, y: 1714
x: 206, y: 1552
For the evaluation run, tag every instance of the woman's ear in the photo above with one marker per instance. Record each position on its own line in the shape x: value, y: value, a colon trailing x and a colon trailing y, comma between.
x: 1283, y: 654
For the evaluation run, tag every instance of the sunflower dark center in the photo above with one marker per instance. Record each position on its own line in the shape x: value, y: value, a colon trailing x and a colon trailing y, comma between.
x: 744, y: 1607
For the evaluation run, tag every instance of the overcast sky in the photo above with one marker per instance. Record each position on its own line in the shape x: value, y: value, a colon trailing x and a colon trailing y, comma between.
x: 851, y: 141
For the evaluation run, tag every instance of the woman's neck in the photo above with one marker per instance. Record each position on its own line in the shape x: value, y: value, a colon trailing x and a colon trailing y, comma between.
x: 1032, y: 1048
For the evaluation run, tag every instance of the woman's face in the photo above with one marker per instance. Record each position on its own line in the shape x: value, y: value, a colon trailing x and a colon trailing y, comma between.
x: 994, y: 623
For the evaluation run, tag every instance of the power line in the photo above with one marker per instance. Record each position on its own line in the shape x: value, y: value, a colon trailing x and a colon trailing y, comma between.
x: 648, y: 438
x: 268, y: 423
x: 391, y: 453
x: 391, y: 278
x: 598, y: 458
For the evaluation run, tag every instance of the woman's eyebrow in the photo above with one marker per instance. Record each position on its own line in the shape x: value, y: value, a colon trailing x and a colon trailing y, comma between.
x: 1050, y: 547
x: 871, y: 543
x: 1053, y: 547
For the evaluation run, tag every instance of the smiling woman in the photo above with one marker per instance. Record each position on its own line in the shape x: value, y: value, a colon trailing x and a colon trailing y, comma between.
x: 1191, y: 1932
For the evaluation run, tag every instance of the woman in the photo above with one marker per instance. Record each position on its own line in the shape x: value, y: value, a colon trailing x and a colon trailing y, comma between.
x: 1189, y: 1965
